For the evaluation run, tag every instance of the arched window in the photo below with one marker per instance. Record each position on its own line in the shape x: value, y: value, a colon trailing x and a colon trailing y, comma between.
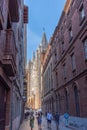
x: 85, y: 48
x: 86, y: 80
x: 52, y: 107
x: 66, y: 98
x: 56, y: 103
x: 59, y: 103
x: 77, y: 101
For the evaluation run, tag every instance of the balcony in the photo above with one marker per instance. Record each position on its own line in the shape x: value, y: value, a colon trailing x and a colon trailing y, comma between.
x: 9, y: 54
x: 2, y: 41
x: 14, y: 10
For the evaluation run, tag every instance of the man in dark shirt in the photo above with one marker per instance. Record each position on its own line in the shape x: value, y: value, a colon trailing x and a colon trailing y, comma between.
x: 57, y: 120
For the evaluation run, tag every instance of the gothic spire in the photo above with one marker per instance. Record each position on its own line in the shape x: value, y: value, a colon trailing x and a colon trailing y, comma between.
x: 44, y: 42
x: 33, y: 56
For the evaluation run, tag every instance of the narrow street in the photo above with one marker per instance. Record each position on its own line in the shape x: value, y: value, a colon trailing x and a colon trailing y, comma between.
x: 43, y: 64
x: 76, y: 125
x: 25, y: 125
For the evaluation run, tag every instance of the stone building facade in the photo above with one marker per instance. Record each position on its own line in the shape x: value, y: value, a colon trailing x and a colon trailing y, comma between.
x: 34, y: 86
x: 25, y: 20
x: 11, y: 64
x: 47, y: 81
x: 69, y: 55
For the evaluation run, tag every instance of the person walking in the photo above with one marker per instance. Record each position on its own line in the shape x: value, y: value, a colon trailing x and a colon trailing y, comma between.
x: 39, y: 120
x: 31, y: 120
x: 66, y: 116
x: 57, y: 120
x: 49, y: 119
x: 25, y: 115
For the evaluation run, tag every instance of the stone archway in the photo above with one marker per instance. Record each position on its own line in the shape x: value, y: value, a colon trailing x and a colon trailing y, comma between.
x: 76, y: 90
x: 77, y: 85
x: 59, y: 102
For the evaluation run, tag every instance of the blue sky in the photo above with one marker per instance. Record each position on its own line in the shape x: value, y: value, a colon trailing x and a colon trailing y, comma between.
x: 42, y: 14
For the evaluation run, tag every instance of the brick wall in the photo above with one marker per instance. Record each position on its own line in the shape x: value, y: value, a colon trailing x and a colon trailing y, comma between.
x: 75, y: 45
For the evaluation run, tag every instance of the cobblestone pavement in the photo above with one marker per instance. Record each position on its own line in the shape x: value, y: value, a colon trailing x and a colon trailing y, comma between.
x: 25, y: 125
x: 62, y: 125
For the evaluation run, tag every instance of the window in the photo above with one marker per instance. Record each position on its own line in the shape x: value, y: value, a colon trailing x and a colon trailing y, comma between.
x: 68, y: 13
x: 86, y: 81
x: 63, y: 47
x: 64, y: 22
x: 59, y: 103
x: 73, y: 62
x: 64, y: 71
x: 66, y: 98
x: 57, y: 78
x: 56, y: 102
x: 73, y: 2
x: 19, y: 37
x: 0, y: 25
x: 82, y: 13
x: 70, y: 33
x: 55, y: 53
x: 1, y: 20
x: 77, y: 101
x: 61, y: 29
x: 51, y: 75
x: 85, y: 48
x: 52, y: 104
x: 1, y: 5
